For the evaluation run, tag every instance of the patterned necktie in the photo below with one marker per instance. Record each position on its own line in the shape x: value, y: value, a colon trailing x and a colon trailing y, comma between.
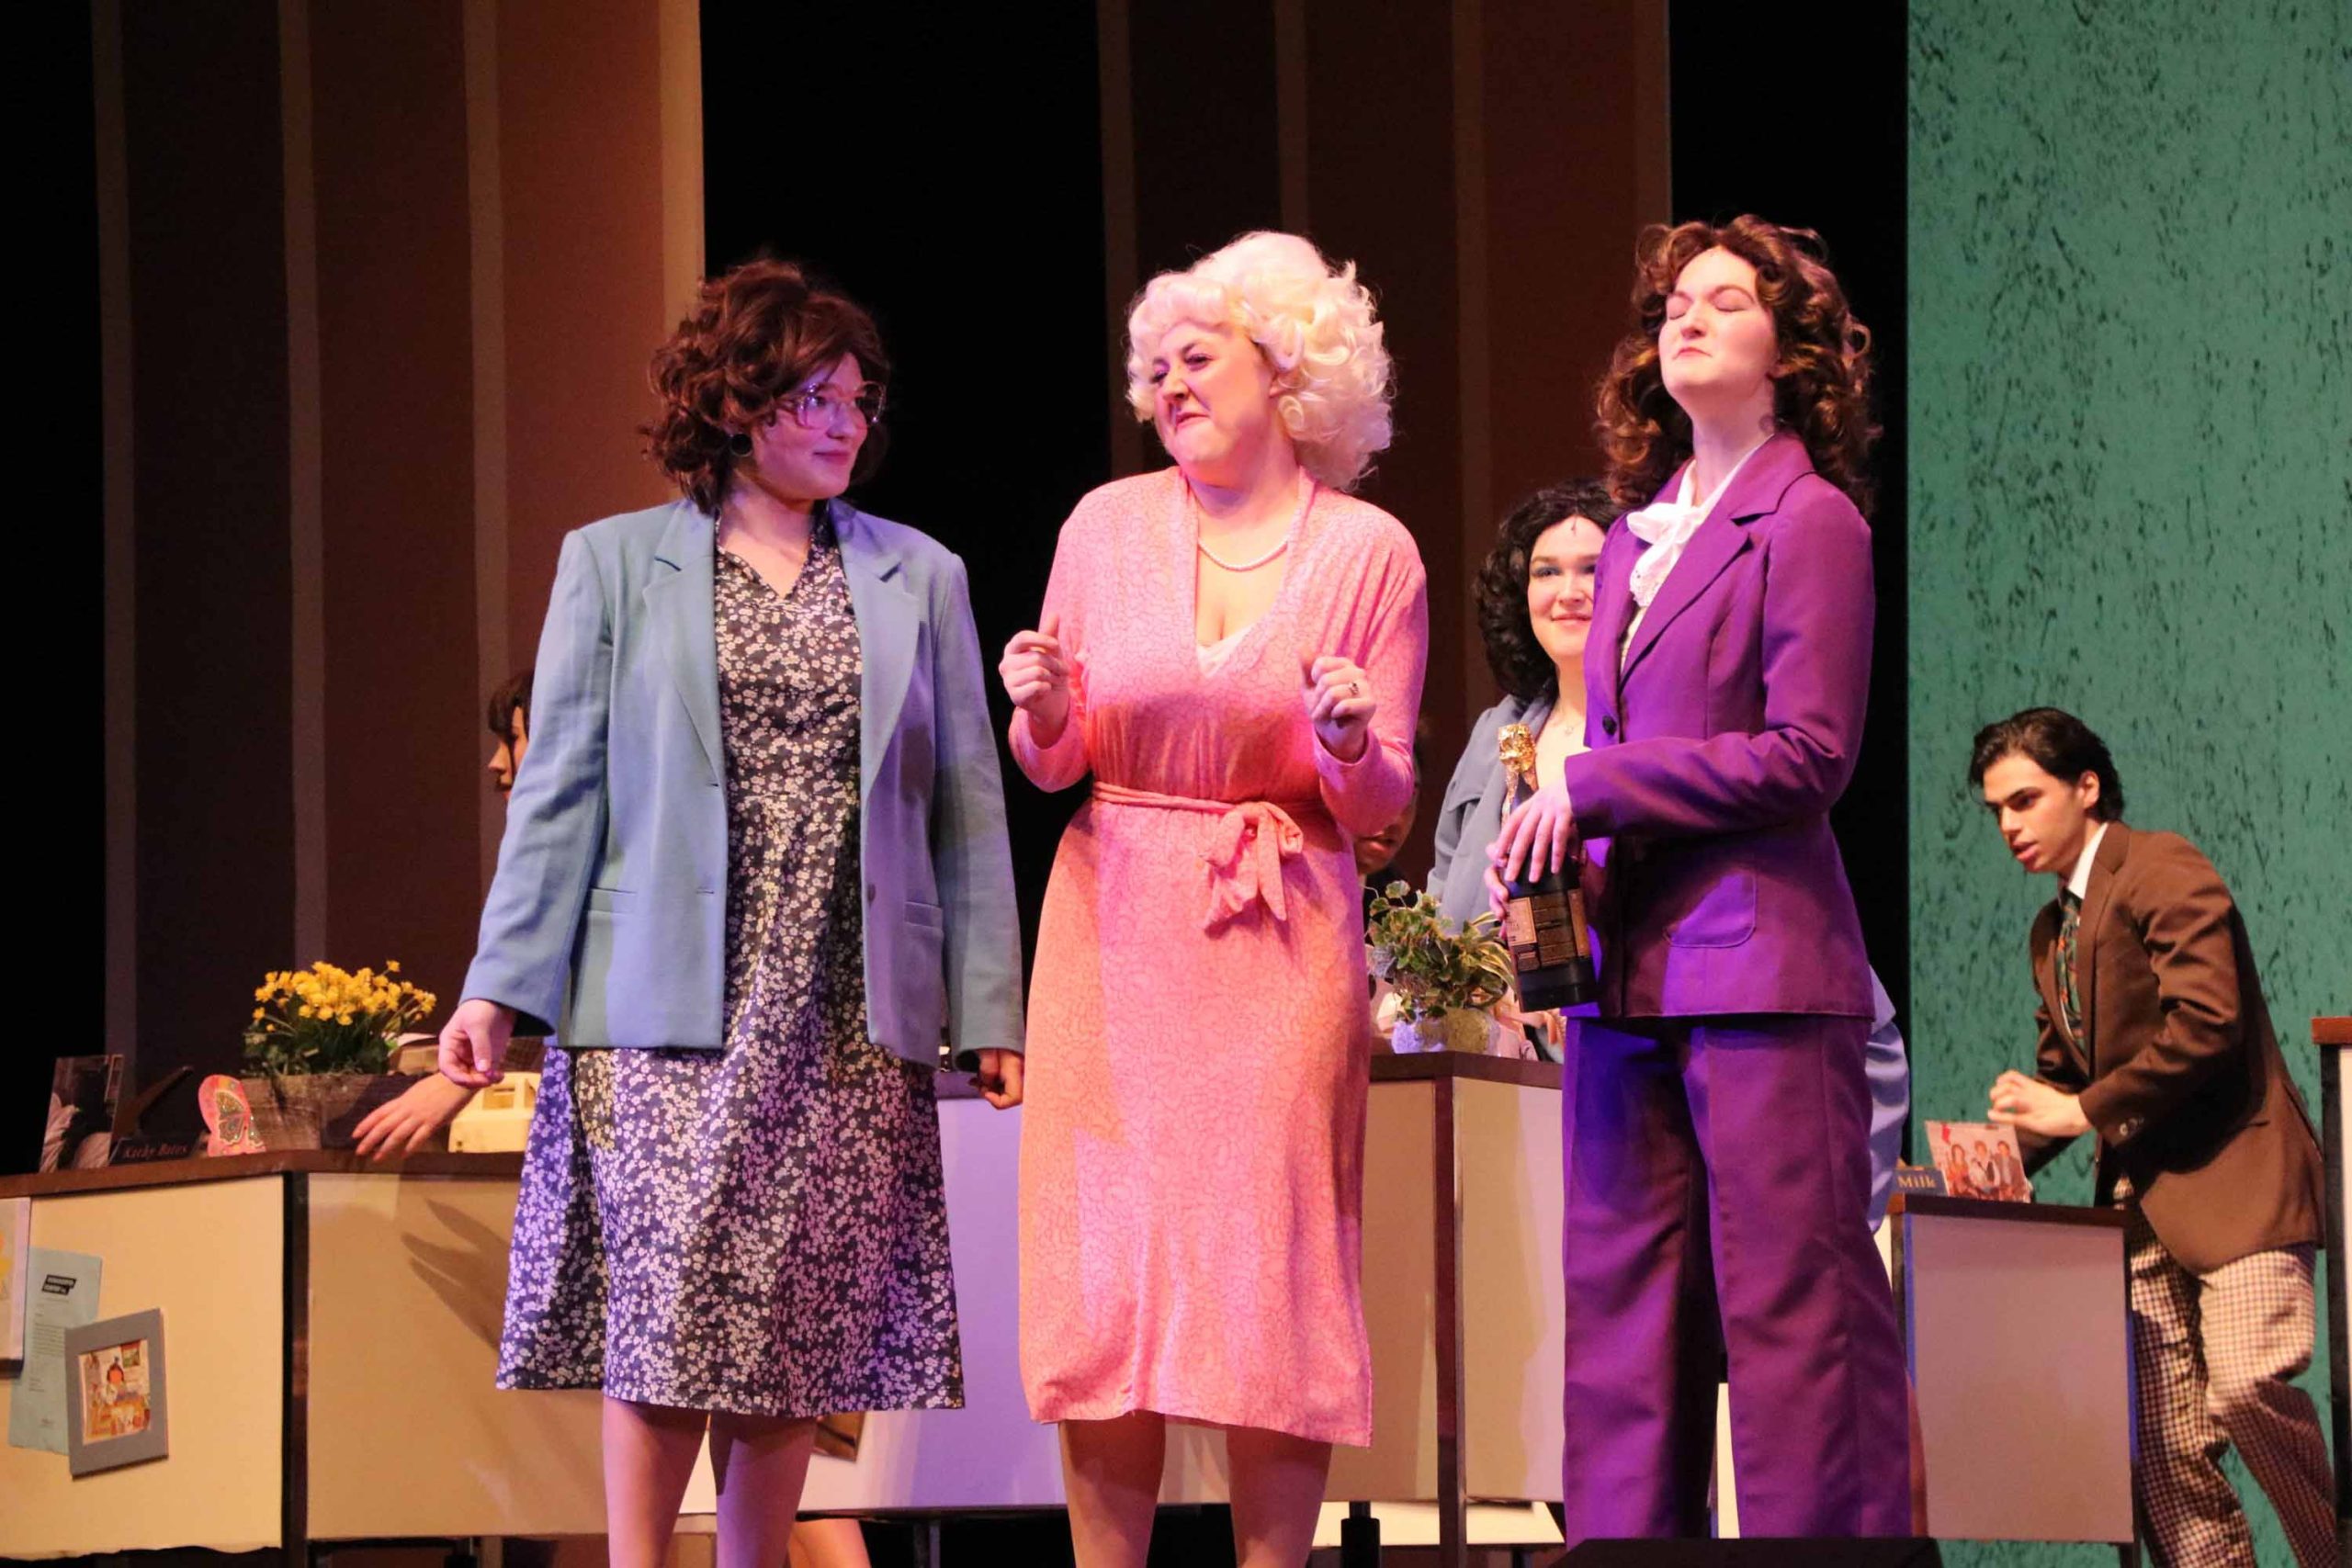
x: 2070, y: 925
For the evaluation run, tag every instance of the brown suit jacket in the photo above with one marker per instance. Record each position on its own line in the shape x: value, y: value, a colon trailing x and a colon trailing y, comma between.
x: 2178, y: 1071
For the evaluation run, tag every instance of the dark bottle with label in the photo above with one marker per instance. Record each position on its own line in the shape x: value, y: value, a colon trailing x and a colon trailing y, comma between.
x: 1544, y: 924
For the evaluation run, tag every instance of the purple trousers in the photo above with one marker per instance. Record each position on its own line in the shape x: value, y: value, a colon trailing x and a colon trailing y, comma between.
x: 1718, y: 1182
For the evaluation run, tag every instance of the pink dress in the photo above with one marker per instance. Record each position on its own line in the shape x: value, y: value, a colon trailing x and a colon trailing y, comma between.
x: 1191, y: 1184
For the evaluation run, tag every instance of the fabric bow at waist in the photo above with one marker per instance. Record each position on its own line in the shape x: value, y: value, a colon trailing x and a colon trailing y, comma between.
x: 1243, y: 850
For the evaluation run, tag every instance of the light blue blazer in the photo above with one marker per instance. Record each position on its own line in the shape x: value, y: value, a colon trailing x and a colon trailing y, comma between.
x: 607, y: 919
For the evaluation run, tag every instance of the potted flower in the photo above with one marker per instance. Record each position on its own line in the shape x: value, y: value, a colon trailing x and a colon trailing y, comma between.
x: 1446, y: 978
x: 323, y: 1038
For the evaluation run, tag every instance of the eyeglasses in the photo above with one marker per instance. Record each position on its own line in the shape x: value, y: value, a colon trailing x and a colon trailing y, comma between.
x: 817, y: 408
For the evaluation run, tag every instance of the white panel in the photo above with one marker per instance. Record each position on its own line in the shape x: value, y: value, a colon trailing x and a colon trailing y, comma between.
x: 1509, y: 1138
x: 409, y: 1434
x: 1400, y: 1201
x: 2018, y: 1342
x: 210, y: 1255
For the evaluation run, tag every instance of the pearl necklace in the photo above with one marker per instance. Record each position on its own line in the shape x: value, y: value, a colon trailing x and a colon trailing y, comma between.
x: 1280, y: 546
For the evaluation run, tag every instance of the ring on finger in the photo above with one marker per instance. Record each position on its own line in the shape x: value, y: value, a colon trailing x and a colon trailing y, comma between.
x: 1355, y: 689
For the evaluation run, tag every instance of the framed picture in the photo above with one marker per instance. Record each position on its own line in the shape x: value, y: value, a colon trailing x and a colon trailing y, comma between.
x: 83, y: 1093
x: 116, y: 1393
x: 1979, y: 1159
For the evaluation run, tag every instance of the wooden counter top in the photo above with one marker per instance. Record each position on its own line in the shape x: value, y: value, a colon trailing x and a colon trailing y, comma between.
x: 1429, y: 1067
x: 232, y: 1167
x: 1941, y: 1206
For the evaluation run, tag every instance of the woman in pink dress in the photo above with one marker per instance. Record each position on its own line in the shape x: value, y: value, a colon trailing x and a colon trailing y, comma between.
x: 1233, y: 648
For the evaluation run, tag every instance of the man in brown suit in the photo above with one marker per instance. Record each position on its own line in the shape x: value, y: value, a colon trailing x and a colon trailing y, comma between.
x: 2154, y: 1036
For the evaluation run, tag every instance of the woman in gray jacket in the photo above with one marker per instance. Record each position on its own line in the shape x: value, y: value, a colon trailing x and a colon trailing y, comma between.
x: 1534, y: 612
x: 755, y: 880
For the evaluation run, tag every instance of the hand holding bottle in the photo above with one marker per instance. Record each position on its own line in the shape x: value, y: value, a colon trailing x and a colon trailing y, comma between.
x: 1538, y: 836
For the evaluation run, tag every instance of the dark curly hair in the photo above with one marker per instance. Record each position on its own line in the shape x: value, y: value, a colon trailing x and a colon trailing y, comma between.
x: 1519, y: 661
x: 755, y: 333
x: 2059, y: 745
x: 1822, y: 391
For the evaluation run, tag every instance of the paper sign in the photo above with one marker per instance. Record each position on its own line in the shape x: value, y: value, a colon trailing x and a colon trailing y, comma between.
x: 16, y: 1240
x: 60, y: 1292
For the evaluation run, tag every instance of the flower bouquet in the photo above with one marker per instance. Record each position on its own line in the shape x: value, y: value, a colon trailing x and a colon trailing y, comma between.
x: 1445, y: 978
x: 323, y: 1038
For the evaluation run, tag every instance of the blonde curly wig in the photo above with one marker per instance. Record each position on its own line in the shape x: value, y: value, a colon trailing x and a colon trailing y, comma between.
x: 1316, y: 326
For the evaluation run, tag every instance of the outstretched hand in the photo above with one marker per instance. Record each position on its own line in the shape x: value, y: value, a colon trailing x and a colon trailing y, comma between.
x: 404, y: 1125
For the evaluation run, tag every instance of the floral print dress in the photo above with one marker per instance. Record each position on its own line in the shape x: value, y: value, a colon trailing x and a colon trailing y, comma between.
x: 760, y: 1229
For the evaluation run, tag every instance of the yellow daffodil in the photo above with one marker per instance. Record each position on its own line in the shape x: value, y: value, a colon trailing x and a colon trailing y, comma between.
x: 330, y: 1019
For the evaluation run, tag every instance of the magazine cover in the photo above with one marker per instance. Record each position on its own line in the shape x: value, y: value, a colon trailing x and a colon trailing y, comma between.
x: 83, y: 1091
x: 1979, y: 1160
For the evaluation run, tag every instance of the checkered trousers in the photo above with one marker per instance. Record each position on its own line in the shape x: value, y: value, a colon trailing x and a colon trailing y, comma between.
x: 2212, y: 1357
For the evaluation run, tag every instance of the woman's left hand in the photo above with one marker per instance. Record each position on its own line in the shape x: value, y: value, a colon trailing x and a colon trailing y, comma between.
x: 1537, y: 837
x: 999, y: 1080
x: 1340, y: 704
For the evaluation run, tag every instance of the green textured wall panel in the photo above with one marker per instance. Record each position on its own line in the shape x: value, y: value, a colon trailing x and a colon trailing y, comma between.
x: 2131, y: 492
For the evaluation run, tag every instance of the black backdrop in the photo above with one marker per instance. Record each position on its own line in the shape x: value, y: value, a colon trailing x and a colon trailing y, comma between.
x: 60, y: 784
x: 1807, y: 125
x: 941, y: 163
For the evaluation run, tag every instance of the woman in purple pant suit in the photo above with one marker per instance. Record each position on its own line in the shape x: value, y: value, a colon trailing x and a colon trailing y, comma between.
x: 1717, y: 1118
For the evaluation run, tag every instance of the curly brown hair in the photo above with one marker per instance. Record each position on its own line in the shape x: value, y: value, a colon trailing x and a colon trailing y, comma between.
x: 1822, y: 387
x: 756, y: 333
x: 1519, y: 661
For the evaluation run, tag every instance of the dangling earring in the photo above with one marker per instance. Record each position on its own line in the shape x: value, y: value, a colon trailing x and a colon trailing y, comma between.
x: 740, y: 443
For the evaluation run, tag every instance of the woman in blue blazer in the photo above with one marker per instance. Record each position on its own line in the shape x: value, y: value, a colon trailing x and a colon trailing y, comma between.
x: 755, y: 880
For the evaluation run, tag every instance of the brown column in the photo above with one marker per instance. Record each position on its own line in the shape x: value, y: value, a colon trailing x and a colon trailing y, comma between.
x: 1576, y: 138
x: 1381, y: 188
x: 354, y: 241
x: 395, y: 421
x: 586, y: 299
x: 1572, y: 133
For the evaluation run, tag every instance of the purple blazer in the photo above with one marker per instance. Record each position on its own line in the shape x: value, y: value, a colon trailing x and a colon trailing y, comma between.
x: 1718, y: 747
